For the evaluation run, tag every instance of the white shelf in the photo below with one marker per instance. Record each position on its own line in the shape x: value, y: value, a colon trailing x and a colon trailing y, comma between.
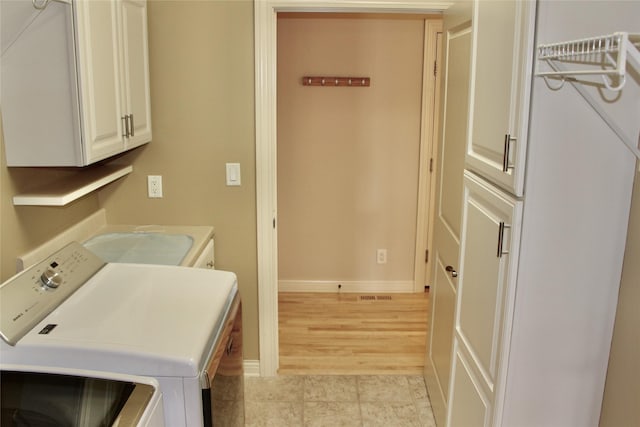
x: 68, y: 189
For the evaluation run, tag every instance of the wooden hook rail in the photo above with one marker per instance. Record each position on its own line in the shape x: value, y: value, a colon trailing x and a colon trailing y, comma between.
x: 336, y: 81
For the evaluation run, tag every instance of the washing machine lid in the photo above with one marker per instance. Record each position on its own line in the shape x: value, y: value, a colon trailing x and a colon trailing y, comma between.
x: 148, y: 320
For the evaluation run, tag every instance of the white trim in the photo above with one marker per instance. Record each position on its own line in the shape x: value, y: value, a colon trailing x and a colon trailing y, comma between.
x: 251, y: 368
x: 265, y: 87
x: 352, y: 286
x: 359, y: 6
x: 265, y: 20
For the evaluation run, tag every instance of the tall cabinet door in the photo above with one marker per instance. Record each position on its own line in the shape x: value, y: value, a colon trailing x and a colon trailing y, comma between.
x: 455, y: 96
x: 99, y: 66
x: 501, y: 80
x: 135, y: 70
x: 486, y: 289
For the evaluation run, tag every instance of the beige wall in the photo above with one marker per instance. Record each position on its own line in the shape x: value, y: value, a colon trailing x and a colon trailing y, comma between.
x: 620, y: 403
x: 202, y: 105
x: 23, y: 228
x: 348, y: 157
x: 201, y: 66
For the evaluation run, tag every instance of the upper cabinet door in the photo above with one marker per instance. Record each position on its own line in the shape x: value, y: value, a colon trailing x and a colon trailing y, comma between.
x: 501, y: 83
x: 135, y: 71
x: 100, y: 85
x: 114, y: 74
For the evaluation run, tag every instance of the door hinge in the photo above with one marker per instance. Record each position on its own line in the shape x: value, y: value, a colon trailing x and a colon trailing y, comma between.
x: 426, y: 256
x: 435, y: 68
x: 431, y: 164
x: 274, y: 222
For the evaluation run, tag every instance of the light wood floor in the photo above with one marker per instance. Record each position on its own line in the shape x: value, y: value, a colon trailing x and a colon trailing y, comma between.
x: 352, y: 334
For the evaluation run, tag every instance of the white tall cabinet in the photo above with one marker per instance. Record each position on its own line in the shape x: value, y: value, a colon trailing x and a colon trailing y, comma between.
x: 541, y: 257
x: 467, y: 333
x: 78, y: 81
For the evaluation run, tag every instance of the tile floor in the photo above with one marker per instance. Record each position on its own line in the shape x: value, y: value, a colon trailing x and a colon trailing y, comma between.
x: 337, y: 400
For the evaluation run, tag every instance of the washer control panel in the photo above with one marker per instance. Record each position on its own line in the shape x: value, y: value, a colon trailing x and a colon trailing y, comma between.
x: 30, y: 296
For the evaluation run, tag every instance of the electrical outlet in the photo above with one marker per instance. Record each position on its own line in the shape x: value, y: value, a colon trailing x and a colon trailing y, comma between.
x: 154, y: 186
x: 381, y: 256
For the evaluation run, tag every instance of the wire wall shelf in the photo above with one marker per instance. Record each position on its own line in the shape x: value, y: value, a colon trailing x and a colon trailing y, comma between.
x: 607, y: 56
x: 604, y: 55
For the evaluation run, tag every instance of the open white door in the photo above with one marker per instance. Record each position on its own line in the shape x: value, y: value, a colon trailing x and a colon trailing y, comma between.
x: 455, y: 107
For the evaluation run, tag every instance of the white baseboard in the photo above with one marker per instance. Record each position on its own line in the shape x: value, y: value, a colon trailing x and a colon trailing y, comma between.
x: 251, y: 368
x: 346, y: 286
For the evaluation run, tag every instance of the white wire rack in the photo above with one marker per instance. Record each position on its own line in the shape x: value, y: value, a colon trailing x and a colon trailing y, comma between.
x: 605, y: 56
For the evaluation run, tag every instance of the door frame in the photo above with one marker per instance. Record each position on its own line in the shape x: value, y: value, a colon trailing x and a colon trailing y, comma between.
x: 265, y: 26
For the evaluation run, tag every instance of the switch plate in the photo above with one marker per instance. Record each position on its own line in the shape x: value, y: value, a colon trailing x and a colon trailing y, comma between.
x: 381, y: 256
x: 233, y: 173
x: 154, y: 186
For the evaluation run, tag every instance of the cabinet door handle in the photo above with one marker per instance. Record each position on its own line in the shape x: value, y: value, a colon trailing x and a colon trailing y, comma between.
x: 132, y: 133
x: 451, y: 271
x: 125, y: 126
x: 501, y: 229
x: 505, y: 156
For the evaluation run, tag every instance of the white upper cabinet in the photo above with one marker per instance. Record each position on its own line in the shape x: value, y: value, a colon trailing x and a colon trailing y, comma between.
x: 96, y: 50
x: 501, y: 79
x: 114, y: 75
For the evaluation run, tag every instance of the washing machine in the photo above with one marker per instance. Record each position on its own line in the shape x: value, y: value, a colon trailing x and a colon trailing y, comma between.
x: 179, y: 326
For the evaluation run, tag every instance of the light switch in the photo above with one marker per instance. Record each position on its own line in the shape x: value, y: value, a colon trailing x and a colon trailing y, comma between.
x: 233, y: 173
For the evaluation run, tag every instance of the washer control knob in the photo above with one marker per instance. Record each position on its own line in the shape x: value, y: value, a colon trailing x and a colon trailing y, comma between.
x: 51, y: 278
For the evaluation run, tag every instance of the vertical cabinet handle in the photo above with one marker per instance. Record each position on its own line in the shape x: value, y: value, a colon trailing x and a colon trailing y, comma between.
x: 131, y: 125
x: 505, y: 156
x: 127, y: 126
x: 501, y: 229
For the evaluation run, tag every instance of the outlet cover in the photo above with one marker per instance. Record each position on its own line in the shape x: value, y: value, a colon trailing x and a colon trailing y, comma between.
x: 154, y: 186
x: 381, y: 256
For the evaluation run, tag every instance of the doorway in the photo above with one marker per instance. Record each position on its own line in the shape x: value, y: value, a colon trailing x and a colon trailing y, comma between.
x: 266, y: 77
x: 348, y: 156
